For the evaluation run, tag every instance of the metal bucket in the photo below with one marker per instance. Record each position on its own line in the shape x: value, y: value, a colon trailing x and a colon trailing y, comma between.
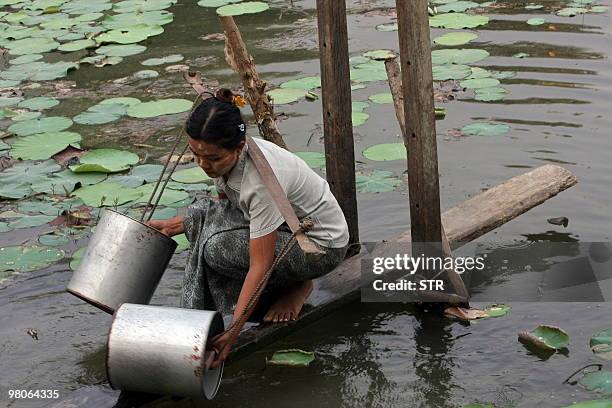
x: 123, y: 263
x: 160, y: 350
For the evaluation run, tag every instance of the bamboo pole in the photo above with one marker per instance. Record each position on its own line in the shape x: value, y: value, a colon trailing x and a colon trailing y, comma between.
x: 337, y: 115
x: 238, y: 57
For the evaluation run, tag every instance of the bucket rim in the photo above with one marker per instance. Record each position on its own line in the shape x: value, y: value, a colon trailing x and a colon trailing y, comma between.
x: 216, y: 320
x: 159, y: 233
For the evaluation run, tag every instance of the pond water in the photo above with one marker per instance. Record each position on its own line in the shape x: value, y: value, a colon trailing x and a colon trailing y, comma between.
x: 557, y: 109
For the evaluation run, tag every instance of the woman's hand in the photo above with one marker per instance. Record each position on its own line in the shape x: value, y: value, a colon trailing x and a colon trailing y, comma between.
x: 223, y: 345
x: 170, y: 227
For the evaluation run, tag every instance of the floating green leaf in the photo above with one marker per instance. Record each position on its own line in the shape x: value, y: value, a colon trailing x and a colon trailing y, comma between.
x: 313, y: 159
x: 191, y: 176
x: 38, y: 71
x: 305, y: 83
x: 536, y: 21
x: 485, y: 129
x: 533, y: 6
x: 359, y: 118
x: 216, y: 3
x: 381, y: 98
x: 146, y: 74
x: 29, y: 221
x: 95, y: 118
x: 168, y: 197
x: 456, y: 6
x: 521, y: 55
x: 182, y: 241
x: 601, y: 344
x: 607, y: 403
x: 458, y: 56
x: 138, y: 6
x: 26, y: 59
x: 77, y: 45
x: 148, y: 172
x: 107, y: 194
x: 378, y: 181
x: 31, y: 46
x: 479, y: 83
x: 546, y: 338
x: 159, y: 108
x: 359, y: 106
x: 40, y: 125
x: 105, y: 161
x: 75, y: 259
x: 123, y: 20
x: 598, y: 381
x: 120, y: 50
x: 281, y: 96
x: 43, y: 145
x: 28, y: 258
x: 247, y: 7
x: 21, y: 116
x: 455, y: 38
x: 497, y: 310
x: 457, y: 20
x: 170, y: 59
x: 490, y: 94
x: 39, y: 103
x: 450, y: 71
x: 387, y: 27
x: 379, y: 54
x: 126, y: 101
x: 292, y: 358
x: 572, y: 11
x: 386, y: 152
x: 55, y: 238
x: 130, y: 35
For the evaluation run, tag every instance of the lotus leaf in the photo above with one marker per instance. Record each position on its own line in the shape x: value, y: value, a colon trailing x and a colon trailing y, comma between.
x: 182, y: 241
x: 95, y: 118
x: 455, y: 38
x: 29, y: 221
x: 358, y: 59
x: 76, y: 258
x: 105, y: 161
x: 127, y: 101
x: 4, y: 146
x: 378, y: 182
x: 170, y: 59
x: 168, y: 197
x: 31, y: 46
x: 21, y: 116
x: 130, y: 35
x: 379, y: 54
x: 458, y: 56
x: 477, y: 72
x: 305, y: 83
x: 546, y: 337
x: 503, y: 74
x: 387, y: 27
x: 313, y: 159
x: 457, y: 20
x: 148, y: 172
x: 369, y: 72
x: 89, y: 17
x: 479, y: 83
x: 139, y: 6
x: 536, y: 21
x: 146, y: 74
x: 450, y: 71
x: 77, y: 45
x: 42, y: 207
x: 292, y: 358
x: 281, y: 96
x: 601, y: 344
x: 85, y: 7
x: 107, y: 194
x: 485, y: 129
x: 40, y: 125
x: 4, y: 227
x: 43, y: 145
x: 28, y: 258
x: 191, y: 176
x: 216, y: 3
x: 26, y: 59
x: 120, y: 21
x: 7, y: 83
x: 9, y: 101
x: 55, y: 238
x: 359, y: 118
x: 120, y: 50
x: 598, y: 9
x: 490, y: 94
x: 386, y: 152
x: 39, y: 103
x: 381, y: 98
x: 602, y: 403
x: 572, y: 11
x: 159, y: 108
x: 247, y: 7
x: 38, y: 71
x: 101, y: 60
x: 599, y: 381
x: 533, y: 6
x: 359, y: 106
x: 497, y: 310
x: 521, y: 55
x: 457, y: 7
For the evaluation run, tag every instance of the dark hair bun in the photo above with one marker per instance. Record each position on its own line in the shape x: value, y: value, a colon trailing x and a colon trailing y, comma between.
x: 225, y: 95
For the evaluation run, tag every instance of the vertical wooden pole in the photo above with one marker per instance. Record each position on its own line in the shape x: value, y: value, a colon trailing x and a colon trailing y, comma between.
x: 336, y: 95
x: 417, y: 80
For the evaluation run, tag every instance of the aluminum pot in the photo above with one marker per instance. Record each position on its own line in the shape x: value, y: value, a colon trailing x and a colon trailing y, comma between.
x: 123, y: 263
x: 161, y: 350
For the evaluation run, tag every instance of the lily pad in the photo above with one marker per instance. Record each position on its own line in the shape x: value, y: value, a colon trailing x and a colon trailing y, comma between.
x: 359, y: 106
x: 40, y: 125
x: 281, y: 96
x: 77, y: 45
x: 25, y: 59
x: 31, y: 46
x: 159, y: 108
x: 379, y: 54
x: 381, y: 98
x: 533, y: 7
x: 490, y: 94
x: 28, y: 258
x: 458, y: 56
x: 182, y: 241
x: 39, y: 103
x: 485, y: 129
x: 130, y: 35
x: 305, y: 83
x: 55, y: 238
x: 146, y: 74
x: 456, y: 6
x: 107, y: 194
x: 168, y: 197
x: 170, y: 59
x: 43, y: 145
x: 21, y: 116
x: 536, y: 21
x: 521, y: 55
x: 29, y: 221
x: 126, y: 101
x: 313, y: 159
x: 247, y: 7
x: 601, y: 344
x: 191, y: 176
x: 105, y: 161
x: 378, y: 181
x: 457, y: 20
x: 450, y: 71
x: 216, y: 3
x: 359, y: 118
x: 122, y: 20
x: 95, y: 118
x: 601, y: 403
x: 497, y: 310
x: 546, y: 338
x: 386, y: 152
x: 479, y: 83
x: 120, y: 50
x: 38, y: 71
x: 572, y: 11
x: 387, y: 27
x: 598, y: 381
x: 75, y: 259
x: 292, y: 358
x: 455, y: 38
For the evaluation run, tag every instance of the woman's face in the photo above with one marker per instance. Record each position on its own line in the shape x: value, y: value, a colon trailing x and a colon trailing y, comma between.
x: 214, y: 160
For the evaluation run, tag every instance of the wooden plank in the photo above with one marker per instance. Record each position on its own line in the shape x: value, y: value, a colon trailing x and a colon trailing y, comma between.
x: 337, y: 111
x: 417, y: 80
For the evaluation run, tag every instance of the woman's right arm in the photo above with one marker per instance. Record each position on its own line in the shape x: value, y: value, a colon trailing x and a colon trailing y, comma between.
x: 170, y: 227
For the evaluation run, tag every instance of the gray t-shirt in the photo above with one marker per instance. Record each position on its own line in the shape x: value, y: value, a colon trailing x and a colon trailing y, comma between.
x: 308, y: 193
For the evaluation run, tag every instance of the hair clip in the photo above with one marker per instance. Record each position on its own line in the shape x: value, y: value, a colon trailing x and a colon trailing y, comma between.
x: 239, y: 101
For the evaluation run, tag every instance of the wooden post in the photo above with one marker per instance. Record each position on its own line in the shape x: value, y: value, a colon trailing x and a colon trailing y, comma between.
x: 417, y: 80
x: 336, y: 95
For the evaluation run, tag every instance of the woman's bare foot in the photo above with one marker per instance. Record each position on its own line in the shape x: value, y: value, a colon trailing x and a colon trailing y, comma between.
x: 289, y: 305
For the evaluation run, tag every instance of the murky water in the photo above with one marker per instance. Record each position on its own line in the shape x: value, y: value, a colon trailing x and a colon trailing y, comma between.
x: 367, y: 355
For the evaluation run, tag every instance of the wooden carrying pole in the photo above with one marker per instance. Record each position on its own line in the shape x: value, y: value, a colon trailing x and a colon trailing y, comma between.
x: 336, y: 95
x: 417, y: 80
x: 240, y: 60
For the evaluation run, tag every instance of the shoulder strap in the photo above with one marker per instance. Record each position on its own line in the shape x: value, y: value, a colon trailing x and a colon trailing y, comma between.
x: 280, y: 198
